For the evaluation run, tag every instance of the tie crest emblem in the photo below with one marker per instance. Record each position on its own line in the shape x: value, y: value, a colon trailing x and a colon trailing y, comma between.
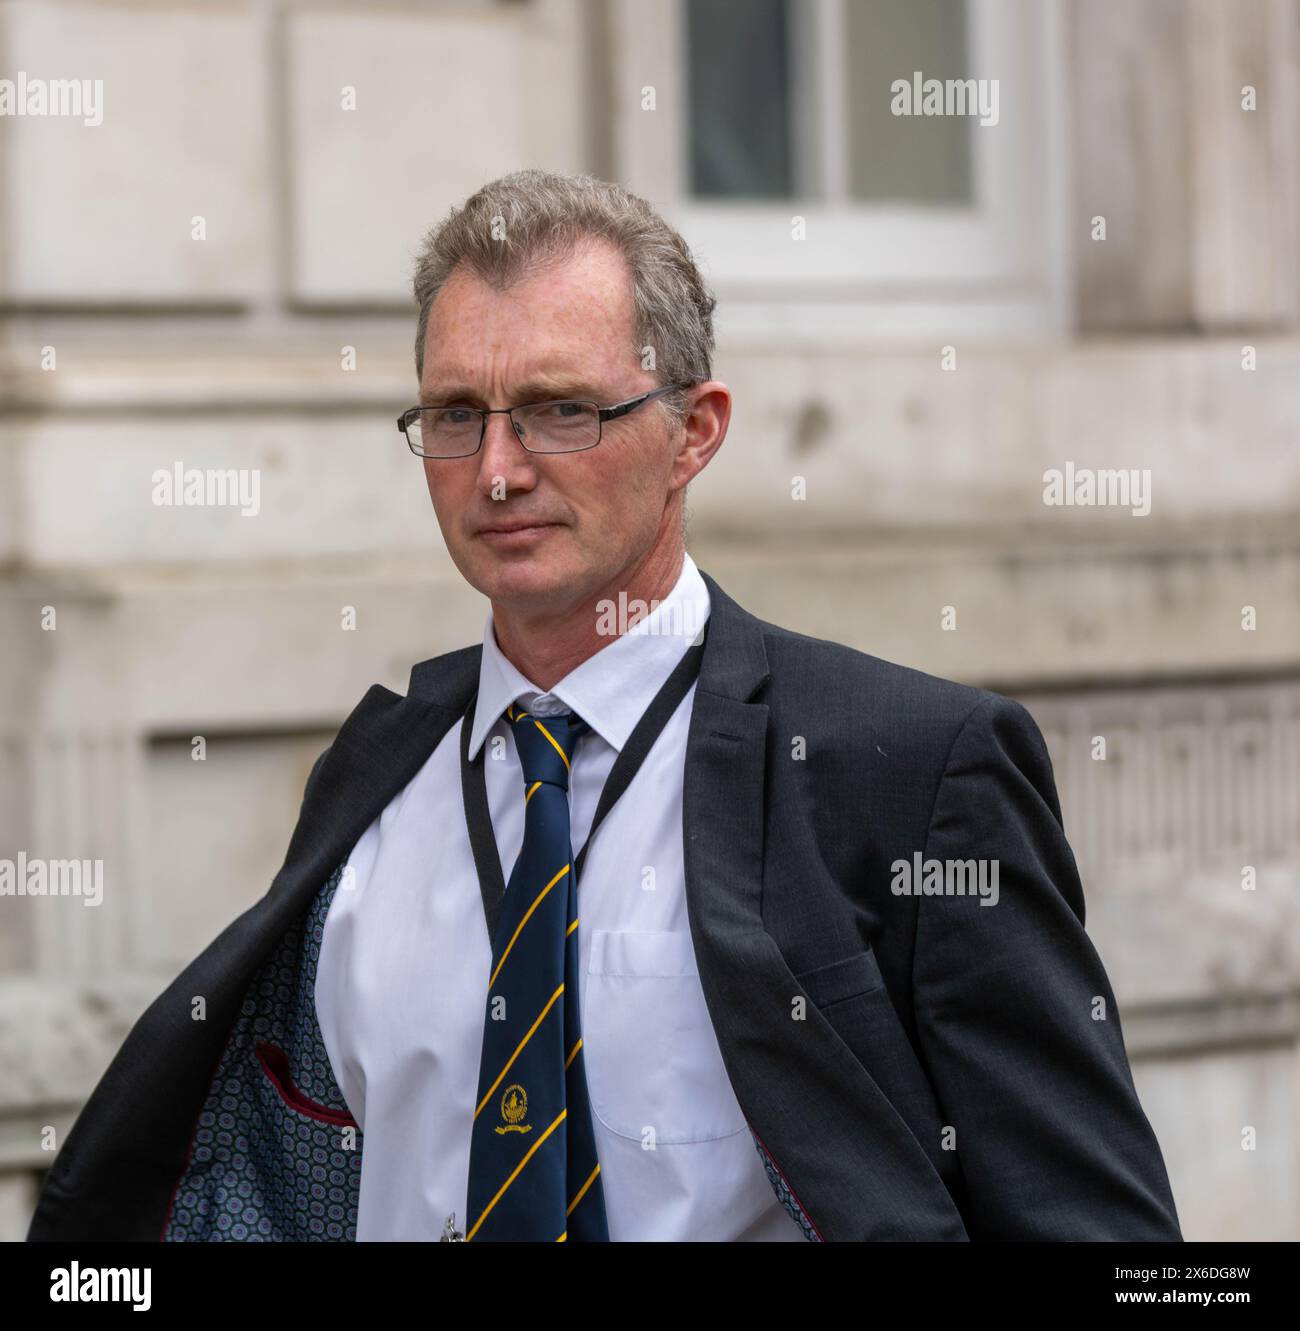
x: 514, y: 1105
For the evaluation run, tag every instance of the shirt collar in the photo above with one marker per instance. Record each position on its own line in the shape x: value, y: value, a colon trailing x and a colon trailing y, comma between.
x: 611, y: 689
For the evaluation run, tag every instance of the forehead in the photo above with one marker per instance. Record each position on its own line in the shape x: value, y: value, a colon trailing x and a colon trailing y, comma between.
x: 575, y: 314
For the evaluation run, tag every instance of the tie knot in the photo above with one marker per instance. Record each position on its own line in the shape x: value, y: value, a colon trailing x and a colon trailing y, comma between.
x: 546, y: 743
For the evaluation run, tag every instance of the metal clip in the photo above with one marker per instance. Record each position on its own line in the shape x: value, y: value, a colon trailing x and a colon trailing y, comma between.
x: 450, y: 1234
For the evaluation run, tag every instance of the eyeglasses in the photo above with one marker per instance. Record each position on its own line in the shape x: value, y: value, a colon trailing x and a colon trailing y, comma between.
x: 565, y: 426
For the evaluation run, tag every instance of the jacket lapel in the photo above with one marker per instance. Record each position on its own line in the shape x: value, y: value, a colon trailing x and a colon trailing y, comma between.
x: 832, y: 1140
x: 380, y: 747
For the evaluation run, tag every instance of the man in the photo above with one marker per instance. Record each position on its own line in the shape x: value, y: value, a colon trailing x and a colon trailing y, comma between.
x: 751, y: 1007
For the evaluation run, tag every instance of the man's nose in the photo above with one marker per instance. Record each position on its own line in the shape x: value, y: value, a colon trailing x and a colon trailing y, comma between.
x: 506, y: 430
x: 502, y: 449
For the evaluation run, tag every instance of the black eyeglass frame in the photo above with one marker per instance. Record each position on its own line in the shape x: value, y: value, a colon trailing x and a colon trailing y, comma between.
x: 603, y: 414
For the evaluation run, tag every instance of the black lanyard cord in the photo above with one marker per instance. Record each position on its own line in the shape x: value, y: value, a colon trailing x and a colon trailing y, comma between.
x: 478, y: 819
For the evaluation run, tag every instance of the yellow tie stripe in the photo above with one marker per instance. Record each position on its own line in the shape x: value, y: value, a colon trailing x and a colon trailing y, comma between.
x: 591, y: 1178
x: 541, y: 896
x: 532, y: 1150
x: 564, y: 757
x: 550, y: 1003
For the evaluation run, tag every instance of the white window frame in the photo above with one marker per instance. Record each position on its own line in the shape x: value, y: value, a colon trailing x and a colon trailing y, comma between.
x: 996, y: 267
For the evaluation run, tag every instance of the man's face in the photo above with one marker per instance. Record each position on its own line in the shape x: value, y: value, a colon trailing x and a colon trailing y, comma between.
x: 566, y: 332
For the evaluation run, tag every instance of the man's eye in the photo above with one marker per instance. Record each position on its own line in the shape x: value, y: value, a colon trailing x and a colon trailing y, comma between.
x: 457, y: 415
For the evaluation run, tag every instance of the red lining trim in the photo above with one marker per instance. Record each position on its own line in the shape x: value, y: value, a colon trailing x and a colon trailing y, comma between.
x: 786, y: 1181
x: 275, y: 1063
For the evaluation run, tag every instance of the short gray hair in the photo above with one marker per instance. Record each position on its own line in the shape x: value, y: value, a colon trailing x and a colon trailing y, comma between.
x: 520, y: 222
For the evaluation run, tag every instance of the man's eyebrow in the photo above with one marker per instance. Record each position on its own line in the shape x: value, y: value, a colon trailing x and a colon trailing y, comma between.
x: 533, y: 390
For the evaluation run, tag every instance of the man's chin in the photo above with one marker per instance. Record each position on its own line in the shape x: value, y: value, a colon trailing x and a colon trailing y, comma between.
x: 512, y: 576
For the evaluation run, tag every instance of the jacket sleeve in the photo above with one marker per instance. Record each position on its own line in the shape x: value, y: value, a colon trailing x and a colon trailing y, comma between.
x: 1016, y: 1019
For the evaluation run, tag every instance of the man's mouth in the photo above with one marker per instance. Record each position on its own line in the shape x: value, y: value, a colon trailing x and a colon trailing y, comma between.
x: 516, y: 533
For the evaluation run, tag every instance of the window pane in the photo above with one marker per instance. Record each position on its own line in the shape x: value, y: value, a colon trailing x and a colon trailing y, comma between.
x: 909, y: 159
x: 739, y: 98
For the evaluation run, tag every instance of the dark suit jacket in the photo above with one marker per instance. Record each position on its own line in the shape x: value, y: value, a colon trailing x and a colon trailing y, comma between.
x: 910, y: 1066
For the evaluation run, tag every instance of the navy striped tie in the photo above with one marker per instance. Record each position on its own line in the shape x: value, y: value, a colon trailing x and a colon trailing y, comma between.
x: 533, y: 1171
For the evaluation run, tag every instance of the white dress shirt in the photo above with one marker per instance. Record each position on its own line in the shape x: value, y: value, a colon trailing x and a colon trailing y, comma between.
x: 401, y: 989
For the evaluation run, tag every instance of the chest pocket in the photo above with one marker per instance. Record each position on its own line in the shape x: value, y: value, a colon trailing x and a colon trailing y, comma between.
x: 652, y: 1058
